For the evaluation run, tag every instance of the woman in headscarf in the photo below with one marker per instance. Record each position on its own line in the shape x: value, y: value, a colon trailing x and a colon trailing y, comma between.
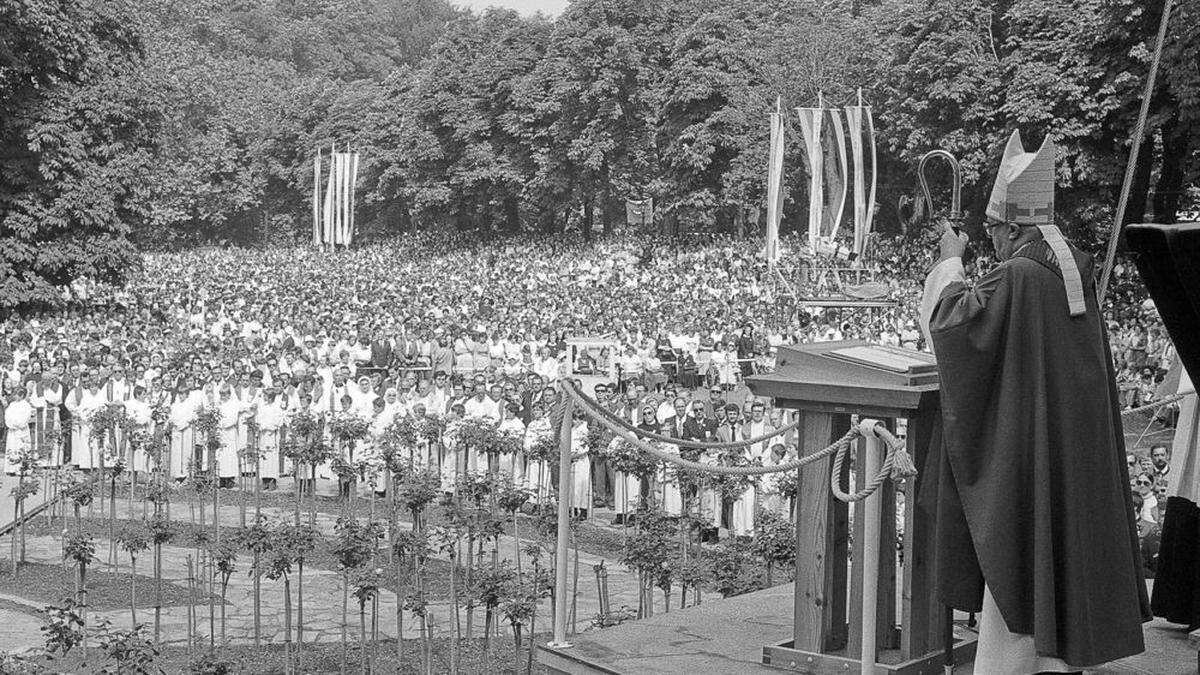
x: 363, y: 398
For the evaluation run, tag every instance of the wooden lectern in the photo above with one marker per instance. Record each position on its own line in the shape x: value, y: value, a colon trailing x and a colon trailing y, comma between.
x: 827, y: 383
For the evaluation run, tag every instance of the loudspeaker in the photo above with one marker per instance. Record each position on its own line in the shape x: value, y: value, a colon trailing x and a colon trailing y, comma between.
x: 1168, y: 258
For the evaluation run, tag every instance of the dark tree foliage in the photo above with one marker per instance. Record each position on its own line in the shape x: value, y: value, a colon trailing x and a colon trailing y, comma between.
x: 176, y: 123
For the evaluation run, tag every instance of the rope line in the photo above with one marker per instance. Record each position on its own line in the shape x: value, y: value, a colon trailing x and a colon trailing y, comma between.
x: 892, y: 467
x: 1158, y: 404
x: 588, y: 406
x: 701, y: 445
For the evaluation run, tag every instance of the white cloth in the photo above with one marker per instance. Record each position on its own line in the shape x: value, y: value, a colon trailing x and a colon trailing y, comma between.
x: 942, y: 275
x: 581, y: 468
x: 270, y: 418
x: 17, y: 418
x: 1184, y: 476
x: 139, y: 415
x: 1001, y: 652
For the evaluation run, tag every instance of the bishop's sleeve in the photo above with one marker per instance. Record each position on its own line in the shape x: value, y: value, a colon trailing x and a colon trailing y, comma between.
x: 968, y: 328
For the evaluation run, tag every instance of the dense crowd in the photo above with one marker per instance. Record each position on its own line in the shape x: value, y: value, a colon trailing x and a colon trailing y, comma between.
x: 438, y: 327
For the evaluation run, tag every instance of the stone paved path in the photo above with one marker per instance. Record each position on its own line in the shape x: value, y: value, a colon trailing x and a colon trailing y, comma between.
x: 322, y: 593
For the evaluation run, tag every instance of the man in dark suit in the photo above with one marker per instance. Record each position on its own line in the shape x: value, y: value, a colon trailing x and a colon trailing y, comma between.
x: 381, y: 352
x: 677, y: 421
x: 697, y: 427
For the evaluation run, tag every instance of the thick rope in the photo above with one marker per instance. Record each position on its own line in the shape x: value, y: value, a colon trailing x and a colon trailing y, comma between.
x: 590, y: 408
x: 896, y: 465
x: 1158, y: 404
x: 1139, y: 131
x: 700, y: 445
x: 835, y: 483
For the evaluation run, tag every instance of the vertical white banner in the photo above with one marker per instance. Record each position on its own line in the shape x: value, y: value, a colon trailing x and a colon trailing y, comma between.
x: 774, y: 188
x: 874, y: 183
x: 862, y: 141
x: 854, y: 122
x: 810, y: 129
x: 839, y: 134
x: 353, y: 182
x: 316, y: 200
x: 327, y: 228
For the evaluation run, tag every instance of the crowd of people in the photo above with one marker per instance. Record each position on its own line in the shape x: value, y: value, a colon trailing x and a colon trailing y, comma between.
x: 438, y: 326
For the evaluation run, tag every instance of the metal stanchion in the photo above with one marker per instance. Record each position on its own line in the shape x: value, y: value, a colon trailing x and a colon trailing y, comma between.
x: 564, y: 526
x: 871, y: 514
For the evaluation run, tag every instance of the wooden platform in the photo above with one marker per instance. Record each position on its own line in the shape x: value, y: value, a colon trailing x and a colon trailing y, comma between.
x: 729, y: 636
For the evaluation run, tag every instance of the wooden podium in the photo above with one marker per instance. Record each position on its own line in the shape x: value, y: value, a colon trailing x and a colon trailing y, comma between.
x: 828, y: 383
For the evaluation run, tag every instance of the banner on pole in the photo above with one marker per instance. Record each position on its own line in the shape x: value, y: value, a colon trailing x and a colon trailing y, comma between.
x: 774, y: 187
x: 333, y: 211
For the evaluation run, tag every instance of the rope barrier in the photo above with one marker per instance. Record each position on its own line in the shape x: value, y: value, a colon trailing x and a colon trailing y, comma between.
x: 1158, y: 404
x: 700, y: 445
x: 897, y: 464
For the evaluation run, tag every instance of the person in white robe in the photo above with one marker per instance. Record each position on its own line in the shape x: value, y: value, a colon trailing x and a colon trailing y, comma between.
x: 228, y: 460
x: 362, y: 398
x: 182, y: 433
x: 85, y: 448
x: 47, y: 400
x: 581, y: 469
x: 269, y: 418
x: 669, y: 496
x: 18, y: 416
x: 140, y: 419
x: 537, y: 470
x: 513, y: 464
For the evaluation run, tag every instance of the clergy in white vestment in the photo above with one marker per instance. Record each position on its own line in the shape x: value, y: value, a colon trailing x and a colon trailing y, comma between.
x: 537, y: 469
x: 581, y: 468
x: 140, y: 419
x: 513, y: 464
x: 231, y: 411
x: 182, y: 446
x: 18, y: 415
x: 269, y: 418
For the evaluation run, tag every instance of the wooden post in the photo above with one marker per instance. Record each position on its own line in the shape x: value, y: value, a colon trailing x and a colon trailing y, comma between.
x: 820, y: 600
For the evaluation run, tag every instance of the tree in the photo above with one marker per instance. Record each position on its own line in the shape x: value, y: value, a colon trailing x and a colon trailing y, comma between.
x: 74, y: 140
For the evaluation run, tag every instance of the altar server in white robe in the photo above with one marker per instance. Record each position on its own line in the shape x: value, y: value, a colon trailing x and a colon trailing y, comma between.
x: 669, y: 496
x: 86, y: 401
x: 537, y: 471
x: 231, y: 411
x: 182, y: 433
x: 251, y: 396
x: 46, y: 399
x: 18, y: 415
x: 513, y: 463
x: 140, y: 418
x: 270, y: 418
x: 581, y: 468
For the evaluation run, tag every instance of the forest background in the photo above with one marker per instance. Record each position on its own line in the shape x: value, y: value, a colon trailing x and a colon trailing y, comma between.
x: 130, y: 126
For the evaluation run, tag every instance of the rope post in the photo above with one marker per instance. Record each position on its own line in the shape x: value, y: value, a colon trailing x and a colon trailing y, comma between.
x: 871, y: 513
x: 564, y: 526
